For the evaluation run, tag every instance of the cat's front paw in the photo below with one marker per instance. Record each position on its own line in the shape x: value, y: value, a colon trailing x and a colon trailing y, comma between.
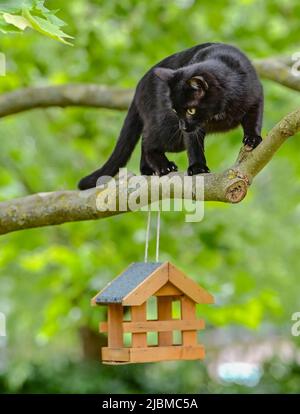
x: 252, y: 141
x: 198, y: 169
x: 166, y: 169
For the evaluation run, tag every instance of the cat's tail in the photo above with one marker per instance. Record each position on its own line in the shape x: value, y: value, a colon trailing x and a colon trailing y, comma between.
x: 129, y: 136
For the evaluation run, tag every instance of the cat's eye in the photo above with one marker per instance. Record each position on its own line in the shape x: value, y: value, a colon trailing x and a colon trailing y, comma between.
x: 191, y: 111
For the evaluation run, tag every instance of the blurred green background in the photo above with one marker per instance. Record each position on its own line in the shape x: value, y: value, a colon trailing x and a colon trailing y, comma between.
x: 247, y: 255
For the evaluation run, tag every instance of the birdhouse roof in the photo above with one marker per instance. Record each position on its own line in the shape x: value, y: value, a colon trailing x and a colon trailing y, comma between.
x: 142, y: 280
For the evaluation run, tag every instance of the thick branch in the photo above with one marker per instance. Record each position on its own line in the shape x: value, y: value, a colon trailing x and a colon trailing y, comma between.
x: 251, y: 163
x: 64, y: 206
x: 276, y: 69
x: 64, y: 95
x: 279, y: 70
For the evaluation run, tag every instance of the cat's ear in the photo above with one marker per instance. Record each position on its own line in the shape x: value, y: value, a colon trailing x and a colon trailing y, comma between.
x: 198, y: 82
x: 164, y: 74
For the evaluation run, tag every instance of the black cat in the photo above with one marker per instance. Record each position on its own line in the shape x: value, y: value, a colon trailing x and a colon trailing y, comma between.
x: 211, y: 87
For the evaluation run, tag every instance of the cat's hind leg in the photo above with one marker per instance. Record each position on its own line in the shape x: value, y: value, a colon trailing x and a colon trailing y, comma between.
x: 155, y: 143
x: 160, y: 163
x: 144, y: 165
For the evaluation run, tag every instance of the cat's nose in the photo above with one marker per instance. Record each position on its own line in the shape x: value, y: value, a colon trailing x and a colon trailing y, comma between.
x: 182, y: 125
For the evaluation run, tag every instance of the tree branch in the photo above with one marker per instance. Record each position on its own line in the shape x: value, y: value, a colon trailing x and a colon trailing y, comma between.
x: 89, y: 95
x: 231, y: 186
x: 64, y: 95
x: 278, y: 70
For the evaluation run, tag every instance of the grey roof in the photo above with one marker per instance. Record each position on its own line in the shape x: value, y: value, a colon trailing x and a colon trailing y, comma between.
x: 116, y: 290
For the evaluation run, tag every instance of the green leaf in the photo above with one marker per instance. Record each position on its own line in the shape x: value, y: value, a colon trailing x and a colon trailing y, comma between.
x: 7, y: 28
x: 41, y: 11
x: 21, y: 14
x: 46, y: 27
x: 55, y: 20
x: 18, y: 21
x: 14, y: 6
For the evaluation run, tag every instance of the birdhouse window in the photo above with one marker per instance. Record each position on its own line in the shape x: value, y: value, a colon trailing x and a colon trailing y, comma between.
x: 152, y: 339
x: 176, y: 309
x: 152, y: 308
x: 177, y: 338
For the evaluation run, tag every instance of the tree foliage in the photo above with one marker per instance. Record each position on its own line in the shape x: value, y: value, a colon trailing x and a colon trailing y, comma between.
x: 247, y: 255
x: 18, y: 15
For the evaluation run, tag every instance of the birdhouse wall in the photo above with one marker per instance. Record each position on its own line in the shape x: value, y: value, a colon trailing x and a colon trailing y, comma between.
x: 115, y: 330
x: 168, y: 290
x: 164, y: 313
x: 139, y: 314
x: 164, y: 326
x: 188, y: 313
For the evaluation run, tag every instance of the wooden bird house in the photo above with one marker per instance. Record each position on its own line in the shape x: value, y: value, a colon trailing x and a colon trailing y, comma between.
x: 131, y: 291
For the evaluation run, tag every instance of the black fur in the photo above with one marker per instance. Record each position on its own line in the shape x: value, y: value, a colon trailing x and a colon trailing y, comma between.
x: 219, y: 87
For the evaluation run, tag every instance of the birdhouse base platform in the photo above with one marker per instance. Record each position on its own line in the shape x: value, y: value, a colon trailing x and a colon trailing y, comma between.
x: 115, y: 356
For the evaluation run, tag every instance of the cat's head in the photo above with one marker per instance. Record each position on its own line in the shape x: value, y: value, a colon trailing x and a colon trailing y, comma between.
x: 196, y: 95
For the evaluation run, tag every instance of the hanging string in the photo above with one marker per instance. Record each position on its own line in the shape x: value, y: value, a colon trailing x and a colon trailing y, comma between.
x: 157, y: 236
x: 147, y: 235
